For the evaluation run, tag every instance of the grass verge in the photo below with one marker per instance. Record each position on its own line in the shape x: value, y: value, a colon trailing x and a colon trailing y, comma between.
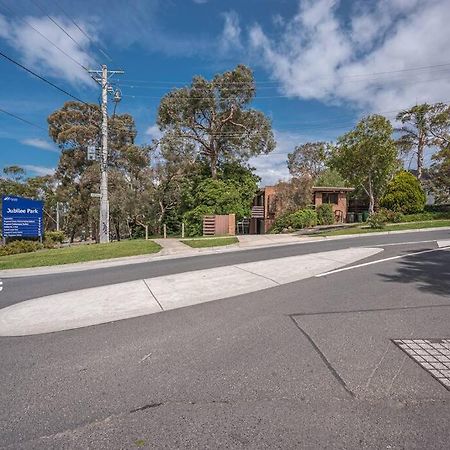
x: 388, y: 227
x: 79, y: 253
x: 210, y: 242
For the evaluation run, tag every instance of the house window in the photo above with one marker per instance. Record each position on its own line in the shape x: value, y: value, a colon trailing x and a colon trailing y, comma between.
x: 330, y: 197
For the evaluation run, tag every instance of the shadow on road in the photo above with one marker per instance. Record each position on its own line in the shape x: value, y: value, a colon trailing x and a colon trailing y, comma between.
x: 430, y: 271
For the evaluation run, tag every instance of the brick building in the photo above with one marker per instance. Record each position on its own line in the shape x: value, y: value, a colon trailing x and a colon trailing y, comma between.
x: 264, y: 205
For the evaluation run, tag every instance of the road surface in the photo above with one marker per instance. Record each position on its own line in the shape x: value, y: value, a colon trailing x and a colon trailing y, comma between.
x: 318, y: 363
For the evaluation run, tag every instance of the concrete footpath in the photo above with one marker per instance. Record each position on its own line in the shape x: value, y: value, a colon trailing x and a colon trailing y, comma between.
x: 81, y: 308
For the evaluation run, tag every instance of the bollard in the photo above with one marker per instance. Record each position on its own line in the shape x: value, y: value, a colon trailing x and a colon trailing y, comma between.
x: 182, y: 229
x: 165, y: 231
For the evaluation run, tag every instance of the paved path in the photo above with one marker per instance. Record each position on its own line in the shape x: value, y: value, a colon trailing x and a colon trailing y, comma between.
x: 172, y: 247
x: 103, y: 304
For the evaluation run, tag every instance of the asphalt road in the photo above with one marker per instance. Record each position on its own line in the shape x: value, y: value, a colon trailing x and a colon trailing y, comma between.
x: 309, y: 364
x: 24, y: 288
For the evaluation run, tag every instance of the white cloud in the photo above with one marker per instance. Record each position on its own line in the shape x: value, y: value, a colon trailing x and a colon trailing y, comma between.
x: 38, y: 53
x: 231, y: 35
x: 40, y: 143
x: 39, y: 170
x: 153, y: 131
x: 326, y: 57
x: 273, y: 167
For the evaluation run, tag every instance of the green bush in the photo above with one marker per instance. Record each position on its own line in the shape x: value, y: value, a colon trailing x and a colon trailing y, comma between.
x: 54, y: 237
x: 304, y: 218
x: 377, y: 220
x: 325, y: 215
x: 420, y: 217
x: 404, y: 194
x: 194, y: 220
x: 19, y: 246
x: 297, y: 220
x: 392, y: 216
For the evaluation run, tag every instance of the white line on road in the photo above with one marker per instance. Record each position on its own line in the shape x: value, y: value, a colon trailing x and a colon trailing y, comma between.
x: 379, y: 261
x: 405, y: 243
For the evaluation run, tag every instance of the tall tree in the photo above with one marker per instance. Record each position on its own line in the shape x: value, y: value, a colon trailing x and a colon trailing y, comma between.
x: 75, y: 126
x: 216, y: 118
x: 420, y: 128
x: 367, y: 156
x: 308, y: 160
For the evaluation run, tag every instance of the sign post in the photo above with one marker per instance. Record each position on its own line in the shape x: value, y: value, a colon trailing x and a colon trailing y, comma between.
x: 21, y: 217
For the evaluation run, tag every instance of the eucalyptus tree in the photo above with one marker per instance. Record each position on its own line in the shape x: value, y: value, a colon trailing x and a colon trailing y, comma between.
x: 422, y: 126
x: 216, y: 118
x: 367, y: 156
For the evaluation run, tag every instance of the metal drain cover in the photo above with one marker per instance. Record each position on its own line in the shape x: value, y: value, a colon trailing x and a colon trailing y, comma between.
x: 432, y: 354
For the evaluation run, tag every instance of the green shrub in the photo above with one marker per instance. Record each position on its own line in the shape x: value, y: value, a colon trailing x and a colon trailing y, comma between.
x: 420, y: 217
x: 325, y: 215
x: 55, y: 237
x: 297, y: 220
x: 404, y: 194
x: 304, y: 218
x: 281, y: 223
x: 19, y: 246
x: 392, y: 216
x: 377, y: 220
x: 194, y: 220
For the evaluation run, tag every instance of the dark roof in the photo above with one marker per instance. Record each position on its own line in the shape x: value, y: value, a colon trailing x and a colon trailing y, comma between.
x: 332, y: 189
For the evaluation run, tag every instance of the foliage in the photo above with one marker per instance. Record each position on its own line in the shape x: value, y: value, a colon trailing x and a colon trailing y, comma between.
x: 232, y: 194
x: 325, y: 215
x: 367, y: 156
x: 303, y: 218
x: 193, y: 219
x: 215, y: 119
x: 422, y: 127
x: 19, y: 246
x: 308, y: 160
x: 377, y: 220
x: 437, y: 215
x: 291, y: 195
x: 330, y: 177
x: 404, y: 194
x: 439, y: 181
x: 54, y: 237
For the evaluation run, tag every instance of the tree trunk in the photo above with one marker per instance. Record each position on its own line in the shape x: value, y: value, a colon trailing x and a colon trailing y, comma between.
x: 420, y: 148
x: 371, y: 197
x: 213, y: 168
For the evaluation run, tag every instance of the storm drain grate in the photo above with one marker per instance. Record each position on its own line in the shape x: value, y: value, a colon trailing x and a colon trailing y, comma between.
x: 432, y: 354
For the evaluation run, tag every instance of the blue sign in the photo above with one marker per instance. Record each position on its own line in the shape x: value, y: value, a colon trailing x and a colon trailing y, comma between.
x: 21, y: 217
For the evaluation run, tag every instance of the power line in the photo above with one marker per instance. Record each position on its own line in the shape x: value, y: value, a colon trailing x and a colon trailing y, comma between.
x: 22, y: 119
x: 83, y: 32
x: 41, y: 78
x: 49, y: 41
x: 410, y: 69
x: 59, y: 26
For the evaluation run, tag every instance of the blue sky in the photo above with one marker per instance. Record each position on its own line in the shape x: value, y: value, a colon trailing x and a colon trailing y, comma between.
x: 319, y: 64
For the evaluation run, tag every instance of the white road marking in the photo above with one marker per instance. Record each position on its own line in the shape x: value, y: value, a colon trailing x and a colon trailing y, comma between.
x: 357, y: 266
x: 1, y: 285
x: 407, y: 243
x: 444, y: 243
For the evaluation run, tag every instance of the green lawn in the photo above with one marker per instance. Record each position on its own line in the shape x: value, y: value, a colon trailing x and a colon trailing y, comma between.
x: 79, y: 253
x: 210, y: 242
x: 388, y: 227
